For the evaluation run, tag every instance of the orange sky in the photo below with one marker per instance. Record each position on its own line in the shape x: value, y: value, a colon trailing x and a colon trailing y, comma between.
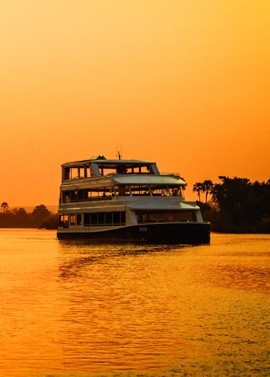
x: 183, y: 83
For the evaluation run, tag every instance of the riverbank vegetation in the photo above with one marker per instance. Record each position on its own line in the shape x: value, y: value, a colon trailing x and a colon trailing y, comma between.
x: 40, y: 217
x: 235, y: 205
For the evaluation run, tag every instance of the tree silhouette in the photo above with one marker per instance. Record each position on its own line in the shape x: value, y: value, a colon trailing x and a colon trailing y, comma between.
x: 198, y: 188
x: 39, y: 215
x: 4, y: 206
x: 231, y: 194
x: 207, y: 186
x: 41, y: 211
x: 243, y: 206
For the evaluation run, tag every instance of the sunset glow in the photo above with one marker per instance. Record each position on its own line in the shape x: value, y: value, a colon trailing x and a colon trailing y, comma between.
x: 185, y: 84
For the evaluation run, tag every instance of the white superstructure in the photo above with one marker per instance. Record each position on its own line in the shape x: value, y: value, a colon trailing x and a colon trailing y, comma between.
x: 123, y: 200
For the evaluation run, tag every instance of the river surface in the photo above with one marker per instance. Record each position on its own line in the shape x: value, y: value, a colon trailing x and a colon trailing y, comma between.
x: 75, y: 310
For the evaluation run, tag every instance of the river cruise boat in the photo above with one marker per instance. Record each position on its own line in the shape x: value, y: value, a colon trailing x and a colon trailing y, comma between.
x: 120, y: 200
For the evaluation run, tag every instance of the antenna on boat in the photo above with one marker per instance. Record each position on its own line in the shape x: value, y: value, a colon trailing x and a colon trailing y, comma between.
x: 119, y: 153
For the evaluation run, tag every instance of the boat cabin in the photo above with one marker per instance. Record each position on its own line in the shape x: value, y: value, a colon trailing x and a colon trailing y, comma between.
x: 100, y: 167
x: 101, y: 179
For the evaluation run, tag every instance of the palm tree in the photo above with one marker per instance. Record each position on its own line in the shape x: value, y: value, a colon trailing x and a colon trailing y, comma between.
x: 4, y: 206
x: 207, y: 188
x: 198, y: 188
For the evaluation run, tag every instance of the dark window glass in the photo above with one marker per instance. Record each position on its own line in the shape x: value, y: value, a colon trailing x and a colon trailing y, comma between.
x: 168, y: 216
x: 93, y: 218
x: 101, y: 218
x: 109, y: 218
x: 123, y: 218
x: 79, y: 219
x: 116, y: 218
x: 86, y: 217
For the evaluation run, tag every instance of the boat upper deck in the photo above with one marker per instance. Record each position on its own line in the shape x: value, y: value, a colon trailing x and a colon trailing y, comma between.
x: 121, y: 171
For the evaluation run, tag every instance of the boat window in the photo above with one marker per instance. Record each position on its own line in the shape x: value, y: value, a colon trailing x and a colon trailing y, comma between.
x: 74, y: 173
x: 175, y: 191
x: 139, y: 170
x: 93, y: 218
x: 115, y: 218
x: 162, y: 216
x: 84, y: 195
x: 123, y: 169
x: 96, y: 194
x: 66, y: 173
x: 132, y: 190
x: 140, y: 190
x: 160, y: 191
x: 166, y: 191
x: 108, y: 193
x: 86, y: 218
x: 63, y: 221
x: 108, y: 171
x: 122, y: 190
x: 72, y: 219
x: 87, y: 172
x: 119, y: 218
x: 109, y: 218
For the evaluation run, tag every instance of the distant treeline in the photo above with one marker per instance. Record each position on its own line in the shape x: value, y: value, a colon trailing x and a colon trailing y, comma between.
x: 235, y: 204
x: 40, y: 217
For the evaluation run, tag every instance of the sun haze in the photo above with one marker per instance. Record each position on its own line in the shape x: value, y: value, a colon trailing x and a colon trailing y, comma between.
x: 182, y: 83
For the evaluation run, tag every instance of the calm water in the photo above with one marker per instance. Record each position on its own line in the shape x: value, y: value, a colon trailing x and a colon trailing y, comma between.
x: 79, y: 310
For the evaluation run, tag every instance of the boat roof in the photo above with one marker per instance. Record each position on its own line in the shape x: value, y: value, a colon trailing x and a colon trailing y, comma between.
x: 149, y: 180
x: 102, y: 161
